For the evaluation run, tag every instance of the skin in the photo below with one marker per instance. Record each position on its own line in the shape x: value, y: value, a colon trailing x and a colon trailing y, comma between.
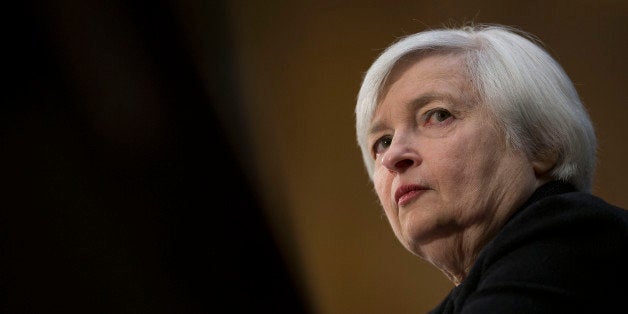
x: 430, y: 130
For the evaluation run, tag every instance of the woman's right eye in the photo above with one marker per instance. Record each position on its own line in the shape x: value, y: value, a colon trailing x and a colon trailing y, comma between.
x: 381, y: 145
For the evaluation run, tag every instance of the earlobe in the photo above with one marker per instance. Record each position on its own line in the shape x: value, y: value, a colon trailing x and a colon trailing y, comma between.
x: 542, y: 166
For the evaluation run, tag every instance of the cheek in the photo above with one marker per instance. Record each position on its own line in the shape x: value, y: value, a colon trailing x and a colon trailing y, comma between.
x: 460, y: 169
x: 447, y: 163
x: 465, y: 158
x: 469, y: 175
x: 380, y: 182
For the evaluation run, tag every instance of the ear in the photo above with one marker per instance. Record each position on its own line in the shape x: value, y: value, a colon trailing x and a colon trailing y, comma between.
x: 544, y: 164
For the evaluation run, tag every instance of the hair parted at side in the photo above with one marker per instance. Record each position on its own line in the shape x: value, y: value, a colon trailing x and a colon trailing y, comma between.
x: 533, y: 99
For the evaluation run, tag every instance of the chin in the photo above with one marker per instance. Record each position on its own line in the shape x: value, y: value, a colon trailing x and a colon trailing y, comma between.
x: 418, y: 224
x: 416, y: 249
x: 415, y: 239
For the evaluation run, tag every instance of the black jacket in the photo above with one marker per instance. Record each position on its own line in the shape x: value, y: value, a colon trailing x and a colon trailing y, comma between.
x: 563, y: 251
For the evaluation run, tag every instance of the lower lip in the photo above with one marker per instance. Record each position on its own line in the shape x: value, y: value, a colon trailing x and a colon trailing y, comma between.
x: 409, y: 197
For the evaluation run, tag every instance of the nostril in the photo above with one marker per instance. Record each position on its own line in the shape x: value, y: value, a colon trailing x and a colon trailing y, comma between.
x: 403, y: 164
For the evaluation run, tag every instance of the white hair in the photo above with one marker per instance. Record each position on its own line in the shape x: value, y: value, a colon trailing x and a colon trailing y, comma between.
x: 533, y: 99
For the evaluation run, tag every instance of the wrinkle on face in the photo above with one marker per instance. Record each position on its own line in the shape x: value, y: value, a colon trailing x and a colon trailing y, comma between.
x: 475, y: 179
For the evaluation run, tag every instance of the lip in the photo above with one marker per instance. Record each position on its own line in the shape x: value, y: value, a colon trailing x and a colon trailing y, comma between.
x: 407, y: 193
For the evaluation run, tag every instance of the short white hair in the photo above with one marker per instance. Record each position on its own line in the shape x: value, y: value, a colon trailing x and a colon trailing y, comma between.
x: 533, y: 99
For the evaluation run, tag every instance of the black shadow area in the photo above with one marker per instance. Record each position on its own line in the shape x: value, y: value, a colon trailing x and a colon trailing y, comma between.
x: 123, y: 191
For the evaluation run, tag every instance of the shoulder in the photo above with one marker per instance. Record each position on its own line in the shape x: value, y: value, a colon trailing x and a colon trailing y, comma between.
x: 568, y: 220
x: 576, y: 206
x: 567, y: 248
x: 559, y: 227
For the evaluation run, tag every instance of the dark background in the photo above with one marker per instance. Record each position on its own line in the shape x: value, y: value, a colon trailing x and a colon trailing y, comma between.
x: 188, y: 156
x: 123, y: 190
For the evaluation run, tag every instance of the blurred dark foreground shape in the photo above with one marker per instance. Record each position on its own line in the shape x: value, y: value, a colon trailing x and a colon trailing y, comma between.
x: 125, y: 185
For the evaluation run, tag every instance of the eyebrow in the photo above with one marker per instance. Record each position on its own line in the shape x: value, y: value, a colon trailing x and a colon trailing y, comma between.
x: 415, y: 104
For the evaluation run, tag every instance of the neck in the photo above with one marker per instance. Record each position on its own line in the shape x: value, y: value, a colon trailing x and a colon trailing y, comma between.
x: 454, y: 256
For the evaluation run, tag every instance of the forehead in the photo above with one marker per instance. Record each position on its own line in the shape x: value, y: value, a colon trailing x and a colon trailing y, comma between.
x: 419, y: 76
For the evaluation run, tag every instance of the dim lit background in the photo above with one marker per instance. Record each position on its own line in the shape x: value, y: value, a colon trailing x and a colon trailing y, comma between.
x: 189, y: 156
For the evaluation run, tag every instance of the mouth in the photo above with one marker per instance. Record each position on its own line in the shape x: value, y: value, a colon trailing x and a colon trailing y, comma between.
x: 408, y: 193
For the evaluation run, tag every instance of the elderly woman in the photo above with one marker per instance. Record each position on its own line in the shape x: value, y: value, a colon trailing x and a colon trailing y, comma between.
x: 482, y: 156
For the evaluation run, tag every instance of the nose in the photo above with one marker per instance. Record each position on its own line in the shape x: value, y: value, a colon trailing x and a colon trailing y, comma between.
x: 400, y: 156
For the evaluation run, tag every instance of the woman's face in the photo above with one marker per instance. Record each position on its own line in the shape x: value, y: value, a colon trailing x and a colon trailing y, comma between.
x: 442, y: 168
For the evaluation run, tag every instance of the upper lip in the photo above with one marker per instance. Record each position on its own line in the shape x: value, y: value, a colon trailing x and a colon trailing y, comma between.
x: 407, y: 188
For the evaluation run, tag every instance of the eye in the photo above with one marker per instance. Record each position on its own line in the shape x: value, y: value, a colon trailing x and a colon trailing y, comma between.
x: 381, y: 145
x: 436, y: 116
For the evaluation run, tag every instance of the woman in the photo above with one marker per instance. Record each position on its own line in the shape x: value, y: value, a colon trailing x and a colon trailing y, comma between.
x: 482, y: 156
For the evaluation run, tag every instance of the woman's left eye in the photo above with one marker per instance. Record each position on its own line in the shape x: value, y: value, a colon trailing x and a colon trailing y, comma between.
x: 436, y: 116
